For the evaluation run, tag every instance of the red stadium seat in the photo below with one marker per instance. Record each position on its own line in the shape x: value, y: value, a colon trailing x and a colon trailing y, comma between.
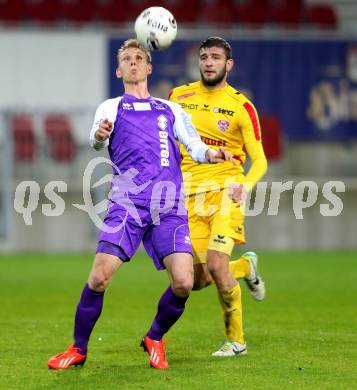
x: 185, y: 14
x: 12, y: 11
x: 113, y: 11
x: 219, y: 12
x: 44, y: 11
x: 23, y: 138
x: 322, y: 16
x: 272, y: 136
x: 59, y: 134
x: 288, y: 13
x: 79, y: 11
x: 255, y: 13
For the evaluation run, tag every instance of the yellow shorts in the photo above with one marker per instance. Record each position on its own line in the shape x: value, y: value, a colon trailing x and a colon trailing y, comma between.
x: 215, y: 222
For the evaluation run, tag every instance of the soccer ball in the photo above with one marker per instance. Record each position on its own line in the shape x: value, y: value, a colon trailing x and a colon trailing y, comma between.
x: 156, y: 28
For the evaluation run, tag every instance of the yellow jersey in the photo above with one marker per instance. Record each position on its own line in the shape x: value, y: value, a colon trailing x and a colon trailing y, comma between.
x: 222, y: 117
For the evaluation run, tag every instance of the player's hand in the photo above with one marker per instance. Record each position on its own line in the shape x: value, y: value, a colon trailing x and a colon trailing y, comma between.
x: 238, y: 193
x: 105, y: 128
x: 219, y: 156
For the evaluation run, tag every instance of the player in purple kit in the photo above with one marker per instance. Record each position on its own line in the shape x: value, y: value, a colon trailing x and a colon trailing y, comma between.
x: 145, y: 204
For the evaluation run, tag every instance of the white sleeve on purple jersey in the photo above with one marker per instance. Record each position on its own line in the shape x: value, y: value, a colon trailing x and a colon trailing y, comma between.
x: 106, y: 110
x: 186, y: 133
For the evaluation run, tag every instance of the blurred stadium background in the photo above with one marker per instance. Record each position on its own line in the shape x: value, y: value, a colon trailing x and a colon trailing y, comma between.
x: 296, y: 59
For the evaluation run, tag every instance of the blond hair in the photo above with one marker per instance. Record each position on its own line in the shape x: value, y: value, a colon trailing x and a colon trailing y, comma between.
x: 133, y: 43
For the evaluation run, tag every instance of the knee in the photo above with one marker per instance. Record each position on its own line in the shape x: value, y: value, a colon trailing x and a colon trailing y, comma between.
x: 219, y: 272
x: 214, y: 262
x: 98, y: 280
x: 182, y: 287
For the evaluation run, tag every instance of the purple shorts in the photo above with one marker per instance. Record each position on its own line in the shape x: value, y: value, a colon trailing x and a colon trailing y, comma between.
x: 123, y: 231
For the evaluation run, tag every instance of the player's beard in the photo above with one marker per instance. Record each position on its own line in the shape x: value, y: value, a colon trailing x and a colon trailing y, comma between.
x: 213, y: 82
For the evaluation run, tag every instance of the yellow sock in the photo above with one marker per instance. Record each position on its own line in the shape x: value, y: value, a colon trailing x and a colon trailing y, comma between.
x: 232, y: 314
x: 240, y: 268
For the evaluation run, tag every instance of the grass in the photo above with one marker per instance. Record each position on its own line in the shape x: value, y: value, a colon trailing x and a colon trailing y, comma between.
x: 303, y: 336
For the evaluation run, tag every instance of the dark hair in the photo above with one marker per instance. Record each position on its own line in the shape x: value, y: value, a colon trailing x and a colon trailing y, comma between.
x: 217, y: 42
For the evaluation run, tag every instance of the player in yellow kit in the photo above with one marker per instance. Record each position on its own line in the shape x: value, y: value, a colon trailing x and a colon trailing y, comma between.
x: 215, y: 193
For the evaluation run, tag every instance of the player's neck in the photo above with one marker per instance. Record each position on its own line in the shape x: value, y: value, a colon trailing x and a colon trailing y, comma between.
x: 139, y: 90
x: 220, y: 85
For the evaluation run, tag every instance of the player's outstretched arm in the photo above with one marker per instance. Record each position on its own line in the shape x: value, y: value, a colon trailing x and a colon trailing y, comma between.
x: 252, y: 139
x: 258, y: 166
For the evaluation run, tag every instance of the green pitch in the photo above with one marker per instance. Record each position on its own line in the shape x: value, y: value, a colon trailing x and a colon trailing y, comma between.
x: 303, y: 336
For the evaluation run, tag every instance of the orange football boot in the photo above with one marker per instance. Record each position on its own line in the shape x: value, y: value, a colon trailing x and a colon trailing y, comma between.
x: 156, y: 351
x: 71, y: 357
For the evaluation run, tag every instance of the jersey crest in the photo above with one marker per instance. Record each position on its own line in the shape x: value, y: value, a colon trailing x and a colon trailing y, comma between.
x: 223, y: 125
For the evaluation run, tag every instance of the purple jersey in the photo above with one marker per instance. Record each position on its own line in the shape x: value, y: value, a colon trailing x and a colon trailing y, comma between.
x: 143, y: 140
x: 146, y: 166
